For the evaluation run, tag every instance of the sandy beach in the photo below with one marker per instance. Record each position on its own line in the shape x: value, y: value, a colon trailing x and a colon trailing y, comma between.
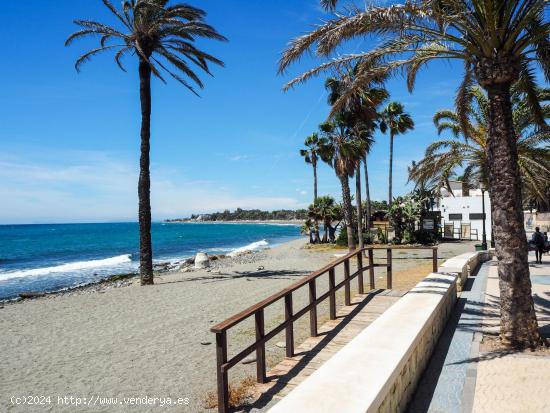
x: 153, y: 341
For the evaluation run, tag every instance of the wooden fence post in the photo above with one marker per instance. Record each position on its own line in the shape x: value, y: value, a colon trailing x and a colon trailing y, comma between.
x: 313, y: 310
x: 435, y: 259
x: 290, y: 328
x: 371, y: 269
x: 260, y: 348
x: 332, y: 296
x: 389, y: 269
x: 360, y: 288
x: 347, y: 293
x: 221, y: 358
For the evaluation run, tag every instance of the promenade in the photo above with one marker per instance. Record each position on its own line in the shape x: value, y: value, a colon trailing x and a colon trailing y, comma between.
x: 469, y: 372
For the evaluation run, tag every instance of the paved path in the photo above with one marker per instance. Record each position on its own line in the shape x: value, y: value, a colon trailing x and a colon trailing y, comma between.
x: 314, y: 351
x: 460, y: 378
x: 449, y: 372
x: 515, y: 382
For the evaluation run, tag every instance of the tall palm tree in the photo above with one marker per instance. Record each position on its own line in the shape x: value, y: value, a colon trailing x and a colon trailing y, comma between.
x: 341, y: 151
x: 396, y: 121
x: 498, y: 41
x: 360, y: 112
x: 311, y: 156
x: 446, y: 158
x: 162, y: 37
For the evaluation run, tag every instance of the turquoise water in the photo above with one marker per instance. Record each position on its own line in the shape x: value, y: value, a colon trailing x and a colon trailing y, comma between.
x: 57, y: 256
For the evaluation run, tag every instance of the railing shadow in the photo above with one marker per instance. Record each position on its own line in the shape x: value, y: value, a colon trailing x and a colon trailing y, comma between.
x: 283, y: 380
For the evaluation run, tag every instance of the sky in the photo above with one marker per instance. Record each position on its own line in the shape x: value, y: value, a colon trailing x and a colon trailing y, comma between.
x: 69, y: 142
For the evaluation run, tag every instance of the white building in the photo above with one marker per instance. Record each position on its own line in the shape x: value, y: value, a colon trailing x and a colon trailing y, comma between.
x: 462, y: 216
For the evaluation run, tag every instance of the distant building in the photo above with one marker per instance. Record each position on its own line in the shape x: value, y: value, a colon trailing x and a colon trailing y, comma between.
x: 462, y: 212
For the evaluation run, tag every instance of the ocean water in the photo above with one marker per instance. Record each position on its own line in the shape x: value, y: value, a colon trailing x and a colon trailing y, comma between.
x: 52, y: 257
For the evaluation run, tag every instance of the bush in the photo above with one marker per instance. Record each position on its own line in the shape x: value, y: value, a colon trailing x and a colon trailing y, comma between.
x: 342, y: 239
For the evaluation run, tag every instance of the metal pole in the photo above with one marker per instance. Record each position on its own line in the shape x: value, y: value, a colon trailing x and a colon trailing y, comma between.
x: 484, y: 236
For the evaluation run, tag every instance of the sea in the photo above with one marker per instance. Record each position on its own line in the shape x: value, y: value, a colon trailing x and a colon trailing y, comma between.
x: 54, y: 257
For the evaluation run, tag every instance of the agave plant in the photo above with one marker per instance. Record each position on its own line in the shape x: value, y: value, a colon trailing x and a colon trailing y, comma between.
x: 161, y: 37
x: 498, y: 42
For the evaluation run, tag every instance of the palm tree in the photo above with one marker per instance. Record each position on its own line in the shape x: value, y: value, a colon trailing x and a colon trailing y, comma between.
x: 360, y: 112
x: 311, y: 156
x: 443, y: 159
x: 341, y: 151
x: 162, y: 37
x: 396, y: 121
x: 323, y: 209
x: 498, y: 41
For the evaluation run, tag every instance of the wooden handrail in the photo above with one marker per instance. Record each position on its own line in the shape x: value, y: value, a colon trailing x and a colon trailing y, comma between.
x: 257, y: 310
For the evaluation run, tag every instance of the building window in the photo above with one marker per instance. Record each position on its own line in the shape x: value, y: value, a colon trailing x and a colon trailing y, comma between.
x: 455, y: 217
x: 476, y: 216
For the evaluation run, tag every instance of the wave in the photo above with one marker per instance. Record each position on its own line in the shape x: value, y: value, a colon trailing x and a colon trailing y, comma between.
x: 254, y: 246
x: 73, y: 266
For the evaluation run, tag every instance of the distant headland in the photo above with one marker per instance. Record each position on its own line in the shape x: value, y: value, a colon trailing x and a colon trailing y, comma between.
x: 247, y: 215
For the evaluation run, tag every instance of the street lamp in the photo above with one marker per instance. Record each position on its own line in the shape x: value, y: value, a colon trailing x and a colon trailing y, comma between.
x: 484, y: 236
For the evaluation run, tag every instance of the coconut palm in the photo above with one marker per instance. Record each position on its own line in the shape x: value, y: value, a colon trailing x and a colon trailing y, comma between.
x: 311, y: 156
x: 498, y: 42
x: 162, y: 38
x: 396, y: 121
x: 444, y: 159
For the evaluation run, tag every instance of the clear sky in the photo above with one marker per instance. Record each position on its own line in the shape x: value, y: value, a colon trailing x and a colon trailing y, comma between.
x: 69, y: 144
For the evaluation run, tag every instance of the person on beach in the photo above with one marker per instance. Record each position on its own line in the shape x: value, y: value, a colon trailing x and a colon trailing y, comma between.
x: 538, y: 240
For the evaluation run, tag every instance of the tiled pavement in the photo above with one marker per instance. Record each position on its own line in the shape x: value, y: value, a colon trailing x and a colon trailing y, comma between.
x: 460, y: 379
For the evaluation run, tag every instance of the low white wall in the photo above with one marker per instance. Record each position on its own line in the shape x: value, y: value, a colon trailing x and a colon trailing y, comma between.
x: 464, y: 265
x: 378, y: 370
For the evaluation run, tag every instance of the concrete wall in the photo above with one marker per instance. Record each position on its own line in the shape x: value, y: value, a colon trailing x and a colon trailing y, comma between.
x: 378, y: 370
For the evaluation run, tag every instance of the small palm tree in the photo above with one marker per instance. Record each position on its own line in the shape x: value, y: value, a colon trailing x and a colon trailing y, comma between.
x: 498, y: 42
x: 162, y: 37
x: 311, y: 156
x: 396, y: 121
x: 323, y: 209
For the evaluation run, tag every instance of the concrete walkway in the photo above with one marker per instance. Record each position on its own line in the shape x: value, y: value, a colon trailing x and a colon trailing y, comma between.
x: 449, y: 372
x: 461, y: 377
x: 515, y: 382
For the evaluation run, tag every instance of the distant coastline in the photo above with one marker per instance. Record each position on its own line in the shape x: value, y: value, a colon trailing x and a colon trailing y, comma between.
x: 251, y: 216
x: 296, y: 222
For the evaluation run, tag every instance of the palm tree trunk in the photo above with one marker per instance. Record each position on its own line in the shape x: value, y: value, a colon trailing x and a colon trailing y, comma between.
x: 359, y: 206
x: 314, y: 163
x: 367, y: 194
x: 144, y: 185
x: 391, y: 170
x: 519, y: 326
x: 348, y: 214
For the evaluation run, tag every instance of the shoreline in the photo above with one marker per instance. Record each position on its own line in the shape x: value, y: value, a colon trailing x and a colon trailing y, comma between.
x: 60, y: 344
x: 160, y: 268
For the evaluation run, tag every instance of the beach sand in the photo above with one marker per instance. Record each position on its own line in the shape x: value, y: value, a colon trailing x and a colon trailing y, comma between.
x: 155, y: 341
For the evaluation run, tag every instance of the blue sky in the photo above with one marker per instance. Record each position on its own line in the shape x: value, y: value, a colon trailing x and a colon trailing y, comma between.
x: 69, y: 145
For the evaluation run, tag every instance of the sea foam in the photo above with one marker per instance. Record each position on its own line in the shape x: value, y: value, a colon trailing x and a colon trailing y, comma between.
x: 254, y: 246
x: 72, y: 266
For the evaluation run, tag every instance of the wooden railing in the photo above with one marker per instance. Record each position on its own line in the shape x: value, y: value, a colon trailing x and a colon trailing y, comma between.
x: 257, y: 310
